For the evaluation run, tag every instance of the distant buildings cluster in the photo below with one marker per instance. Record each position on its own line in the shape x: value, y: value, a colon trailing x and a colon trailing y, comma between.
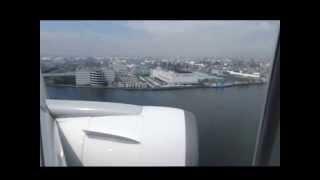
x: 152, y: 72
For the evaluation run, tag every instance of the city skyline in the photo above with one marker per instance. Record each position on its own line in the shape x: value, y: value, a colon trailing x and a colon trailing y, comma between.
x: 159, y: 38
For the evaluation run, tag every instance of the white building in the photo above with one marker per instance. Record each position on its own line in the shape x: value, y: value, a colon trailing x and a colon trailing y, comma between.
x: 97, y: 78
x: 173, y: 78
x: 82, y: 77
x: 166, y: 76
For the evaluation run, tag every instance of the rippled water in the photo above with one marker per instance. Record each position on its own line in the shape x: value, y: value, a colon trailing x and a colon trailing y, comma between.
x: 227, y: 118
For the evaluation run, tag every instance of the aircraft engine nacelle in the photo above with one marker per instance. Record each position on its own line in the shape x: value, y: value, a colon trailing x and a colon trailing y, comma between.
x: 114, y: 134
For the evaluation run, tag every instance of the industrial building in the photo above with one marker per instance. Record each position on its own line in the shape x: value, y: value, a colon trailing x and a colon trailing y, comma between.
x: 244, y: 75
x: 173, y: 78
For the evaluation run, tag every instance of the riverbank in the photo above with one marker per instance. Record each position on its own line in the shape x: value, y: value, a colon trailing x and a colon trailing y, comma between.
x: 158, y: 88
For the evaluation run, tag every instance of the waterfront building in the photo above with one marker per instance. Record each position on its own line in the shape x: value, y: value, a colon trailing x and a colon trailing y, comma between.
x: 97, y: 78
x: 82, y: 77
x: 109, y: 75
x: 244, y: 75
x: 173, y: 78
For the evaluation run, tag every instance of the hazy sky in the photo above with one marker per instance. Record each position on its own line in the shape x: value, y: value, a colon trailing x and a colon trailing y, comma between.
x: 159, y: 38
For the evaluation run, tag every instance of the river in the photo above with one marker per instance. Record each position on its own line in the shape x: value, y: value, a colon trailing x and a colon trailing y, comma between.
x: 227, y: 118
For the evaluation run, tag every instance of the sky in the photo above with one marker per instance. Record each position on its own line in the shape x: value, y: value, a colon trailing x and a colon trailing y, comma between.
x: 255, y: 39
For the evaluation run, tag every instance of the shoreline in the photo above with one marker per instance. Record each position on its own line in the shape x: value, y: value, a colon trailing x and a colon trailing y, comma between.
x: 156, y: 89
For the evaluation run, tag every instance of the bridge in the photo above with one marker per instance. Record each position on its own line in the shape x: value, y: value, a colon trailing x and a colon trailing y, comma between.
x: 58, y: 74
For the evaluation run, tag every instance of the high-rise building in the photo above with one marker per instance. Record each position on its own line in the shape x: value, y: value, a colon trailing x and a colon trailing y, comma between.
x: 82, y: 77
x: 97, y: 78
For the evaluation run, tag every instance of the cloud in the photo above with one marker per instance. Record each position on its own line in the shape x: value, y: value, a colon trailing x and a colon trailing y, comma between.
x: 170, y: 38
x: 165, y: 27
x: 174, y: 27
x: 244, y: 38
